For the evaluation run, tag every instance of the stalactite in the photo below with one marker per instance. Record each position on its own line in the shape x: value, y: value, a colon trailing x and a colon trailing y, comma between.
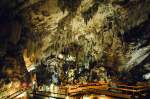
x: 70, y: 5
x: 87, y: 15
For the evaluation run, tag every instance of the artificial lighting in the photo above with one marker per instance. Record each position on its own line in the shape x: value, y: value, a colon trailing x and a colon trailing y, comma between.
x: 67, y: 97
x: 104, y: 97
x: 21, y: 95
x: 52, y: 98
x: 86, y: 97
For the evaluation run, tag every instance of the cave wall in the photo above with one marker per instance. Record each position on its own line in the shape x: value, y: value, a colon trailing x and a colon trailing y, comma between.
x: 92, y: 33
x: 105, y: 29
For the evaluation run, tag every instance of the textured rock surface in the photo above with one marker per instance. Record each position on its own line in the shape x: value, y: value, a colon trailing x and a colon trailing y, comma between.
x: 103, y: 29
x: 83, y: 35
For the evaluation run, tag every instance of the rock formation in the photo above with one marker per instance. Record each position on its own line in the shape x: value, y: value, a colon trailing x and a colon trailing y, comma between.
x: 82, y: 35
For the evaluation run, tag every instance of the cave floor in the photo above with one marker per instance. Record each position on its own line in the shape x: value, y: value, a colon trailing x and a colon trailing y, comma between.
x: 99, y: 90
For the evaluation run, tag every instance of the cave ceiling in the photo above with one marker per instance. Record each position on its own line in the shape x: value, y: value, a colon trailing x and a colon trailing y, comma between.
x: 115, y: 33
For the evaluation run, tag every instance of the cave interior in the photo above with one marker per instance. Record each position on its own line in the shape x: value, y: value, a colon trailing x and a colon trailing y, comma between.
x: 47, y: 44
